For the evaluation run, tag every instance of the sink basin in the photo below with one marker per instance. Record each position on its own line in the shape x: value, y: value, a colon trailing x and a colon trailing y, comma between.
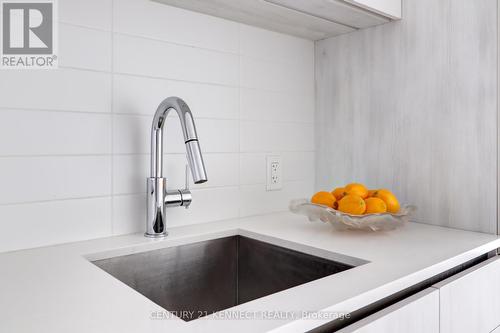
x: 198, y: 279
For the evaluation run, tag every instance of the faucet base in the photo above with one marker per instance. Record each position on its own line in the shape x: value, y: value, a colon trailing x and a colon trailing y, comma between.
x: 155, y: 216
x: 160, y: 235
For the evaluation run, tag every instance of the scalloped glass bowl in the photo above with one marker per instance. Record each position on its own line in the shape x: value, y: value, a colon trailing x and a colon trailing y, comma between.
x: 343, y: 221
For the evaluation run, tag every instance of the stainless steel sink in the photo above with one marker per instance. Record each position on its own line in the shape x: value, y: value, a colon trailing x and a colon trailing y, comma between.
x: 201, y: 278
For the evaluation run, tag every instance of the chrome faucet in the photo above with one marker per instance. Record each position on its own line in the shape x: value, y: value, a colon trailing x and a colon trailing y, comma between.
x: 158, y: 198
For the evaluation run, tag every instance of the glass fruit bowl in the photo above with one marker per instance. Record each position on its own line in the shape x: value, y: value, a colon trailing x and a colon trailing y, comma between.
x: 342, y: 221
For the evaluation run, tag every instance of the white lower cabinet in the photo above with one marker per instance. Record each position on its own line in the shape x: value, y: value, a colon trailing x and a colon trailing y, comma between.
x: 415, y: 314
x: 470, y: 300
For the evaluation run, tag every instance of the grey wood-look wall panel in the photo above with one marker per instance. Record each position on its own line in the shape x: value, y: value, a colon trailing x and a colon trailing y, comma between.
x: 412, y: 106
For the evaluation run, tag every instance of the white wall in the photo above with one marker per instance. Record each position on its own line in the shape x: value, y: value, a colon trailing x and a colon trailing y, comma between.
x: 412, y: 106
x: 74, y: 142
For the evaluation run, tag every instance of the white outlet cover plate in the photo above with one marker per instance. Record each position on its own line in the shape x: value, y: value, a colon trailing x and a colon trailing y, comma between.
x: 274, y: 171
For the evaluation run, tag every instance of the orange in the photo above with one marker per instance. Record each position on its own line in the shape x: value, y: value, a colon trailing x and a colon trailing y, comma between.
x: 390, y: 200
x: 357, y: 189
x: 352, y: 204
x: 323, y: 198
x: 375, y: 205
x: 338, y: 193
x: 371, y: 192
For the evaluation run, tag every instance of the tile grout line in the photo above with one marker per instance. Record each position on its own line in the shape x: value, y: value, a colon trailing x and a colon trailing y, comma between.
x: 54, y: 155
x: 240, y: 201
x: 159, y: 40
x: 137, y: 154
x: 153, y: 77
x: 238, y: 53
x: 34, y: 202
x: 30, y: 109
x: 112, y: 68
x: 207, y: 188
x: 76, y: 25
x: 124, y: 114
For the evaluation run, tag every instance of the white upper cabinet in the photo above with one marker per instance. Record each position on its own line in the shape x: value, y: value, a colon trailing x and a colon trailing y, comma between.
x: 311, y: 19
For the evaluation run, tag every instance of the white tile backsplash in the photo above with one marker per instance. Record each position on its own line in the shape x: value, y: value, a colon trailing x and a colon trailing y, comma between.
x: 257, y: 104
x: 255, y: 200
x: 54, y: 178
x: 267, y: 45
x: 88, y: 13
x: 132, y: 135
x: 36, y: 132
x: 298, y: 166
x: 276, y: 136
x: 61, y: 89
x: 130, y: 171
x: 275, y: 75
x: 175, y: 25
x: 54, y: 222
x: 141, y: 56
x: 78, y: 138
x: 209, y: 101
x: 252, y: 168
x: 74, y: 50
x: 215, y: 204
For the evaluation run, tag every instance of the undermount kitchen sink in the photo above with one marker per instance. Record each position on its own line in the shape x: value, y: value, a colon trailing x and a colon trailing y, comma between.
x: 198, y: 279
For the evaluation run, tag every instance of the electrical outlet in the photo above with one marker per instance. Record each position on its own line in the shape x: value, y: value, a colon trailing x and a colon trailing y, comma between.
x: 274, y: 173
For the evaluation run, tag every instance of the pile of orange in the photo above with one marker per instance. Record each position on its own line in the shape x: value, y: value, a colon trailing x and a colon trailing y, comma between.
x: 356, y: 199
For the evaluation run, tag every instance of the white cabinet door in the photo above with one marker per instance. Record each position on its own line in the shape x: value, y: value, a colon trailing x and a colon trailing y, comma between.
x: 470, y: 300
x: 416, y: 314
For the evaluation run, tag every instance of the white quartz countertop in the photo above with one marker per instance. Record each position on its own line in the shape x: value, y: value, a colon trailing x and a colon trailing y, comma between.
x: 56, y: 289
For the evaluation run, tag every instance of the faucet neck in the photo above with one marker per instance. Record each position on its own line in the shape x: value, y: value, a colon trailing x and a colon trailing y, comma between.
x: 188, y: 130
